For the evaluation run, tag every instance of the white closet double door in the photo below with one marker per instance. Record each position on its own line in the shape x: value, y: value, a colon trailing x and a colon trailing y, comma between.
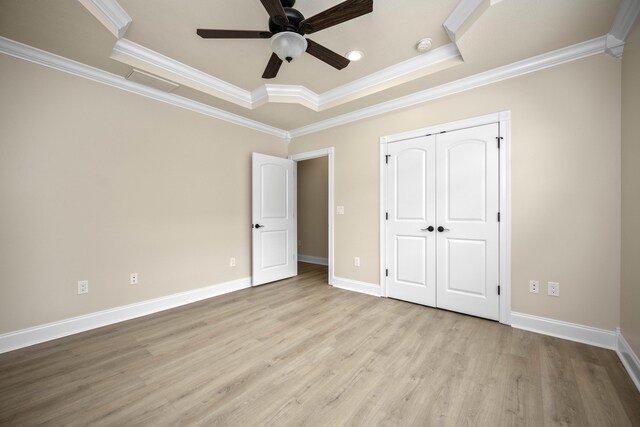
x: 443, y: 226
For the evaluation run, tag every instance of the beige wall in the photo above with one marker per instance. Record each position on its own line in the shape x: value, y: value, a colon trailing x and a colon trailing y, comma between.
x: 97, y: 183
x: 313, y: 221
x: 630, y: 292
x: 565, y: 184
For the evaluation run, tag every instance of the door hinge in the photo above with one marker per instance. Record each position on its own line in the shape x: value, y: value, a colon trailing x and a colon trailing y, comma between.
x: 387, y: 272
x: 499, y: 138
x: 498, y: 216
x: 498, y: 289
x: 386, y: 158
x: 386, y: 215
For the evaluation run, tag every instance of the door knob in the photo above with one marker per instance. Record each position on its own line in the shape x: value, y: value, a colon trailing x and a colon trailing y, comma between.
x: 441, y: 229
x: 429, y: 228
x: 259, y: 226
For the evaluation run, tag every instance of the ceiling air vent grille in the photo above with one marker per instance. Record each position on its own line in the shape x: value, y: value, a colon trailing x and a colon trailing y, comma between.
x: 151, y: 81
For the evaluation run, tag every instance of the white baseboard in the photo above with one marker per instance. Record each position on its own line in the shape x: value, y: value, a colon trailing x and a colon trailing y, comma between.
x: 356, y: 286
x: 74, y: 325
x: 566, y: 330
x: 629, y: 359
x: 313, y: 259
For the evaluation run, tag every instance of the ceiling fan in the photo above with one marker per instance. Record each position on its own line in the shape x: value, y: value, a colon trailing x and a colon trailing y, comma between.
x: 287, y: 26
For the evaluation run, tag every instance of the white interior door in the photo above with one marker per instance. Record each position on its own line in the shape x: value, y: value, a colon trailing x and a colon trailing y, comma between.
x: 468, y: 230
x: 411, y: 186
x: 273, y: 219
x: 448, y: 181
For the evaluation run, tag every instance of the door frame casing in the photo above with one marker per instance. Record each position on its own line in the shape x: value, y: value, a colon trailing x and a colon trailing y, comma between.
x: 503, y: 118
x: 324, y: 152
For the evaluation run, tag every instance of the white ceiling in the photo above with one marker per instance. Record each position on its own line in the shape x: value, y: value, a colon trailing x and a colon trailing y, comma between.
x: 499, y: 33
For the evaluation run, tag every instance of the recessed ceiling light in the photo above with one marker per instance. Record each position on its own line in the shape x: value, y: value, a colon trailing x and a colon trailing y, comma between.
x: 424, y: 45
x: 355, y: 55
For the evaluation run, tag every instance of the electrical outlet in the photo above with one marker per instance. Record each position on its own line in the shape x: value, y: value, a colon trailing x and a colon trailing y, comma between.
x: 534, y: 286
x: 83, y: 287
x: 356, y: 261
x: 133, y: 279
x: 232, y: 262
x: 340, y: 210
x: 553, y: 289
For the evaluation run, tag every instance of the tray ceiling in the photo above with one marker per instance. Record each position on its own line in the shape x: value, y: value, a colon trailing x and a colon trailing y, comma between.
x: 225, y: 74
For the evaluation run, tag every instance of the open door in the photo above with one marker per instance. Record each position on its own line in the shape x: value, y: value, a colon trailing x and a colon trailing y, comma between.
x: 274, y: 229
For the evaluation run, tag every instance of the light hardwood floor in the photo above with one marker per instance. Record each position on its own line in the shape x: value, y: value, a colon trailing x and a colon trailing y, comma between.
x: 299, y: 352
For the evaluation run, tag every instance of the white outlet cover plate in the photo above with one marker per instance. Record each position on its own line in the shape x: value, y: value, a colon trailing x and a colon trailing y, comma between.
x: 83, y: 287
x: 340, y: 210
x: 553, y: 289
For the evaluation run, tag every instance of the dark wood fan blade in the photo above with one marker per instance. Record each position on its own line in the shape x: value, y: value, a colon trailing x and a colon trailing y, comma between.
x: 336, y: 15
x: 276, y: 11
x: 233, y: 34
x: 326, y: 55
x: 272, y: 67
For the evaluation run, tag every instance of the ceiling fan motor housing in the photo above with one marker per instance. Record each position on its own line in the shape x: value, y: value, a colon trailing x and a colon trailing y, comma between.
x: 294, y: 17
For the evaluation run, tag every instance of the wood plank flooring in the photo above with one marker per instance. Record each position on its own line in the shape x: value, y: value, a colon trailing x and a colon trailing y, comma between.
x: 299, y: 352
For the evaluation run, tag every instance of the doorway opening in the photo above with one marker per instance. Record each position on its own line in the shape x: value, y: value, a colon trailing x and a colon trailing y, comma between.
x: 314, y: 174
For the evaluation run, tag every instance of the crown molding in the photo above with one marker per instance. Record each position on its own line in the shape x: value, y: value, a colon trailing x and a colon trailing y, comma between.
x: 628, y: 12
x: 110, y: 14
x: 464, y: 14
x: 390, y: 76
x: 614, y: 46
x: 394, y: 75
x: 285, y: 94
x: 536, y: 63
x: 32, y: 54
x: 148, y: 60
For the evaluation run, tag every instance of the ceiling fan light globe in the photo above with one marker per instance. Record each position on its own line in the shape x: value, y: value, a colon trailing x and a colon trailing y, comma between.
x: 288, y: 45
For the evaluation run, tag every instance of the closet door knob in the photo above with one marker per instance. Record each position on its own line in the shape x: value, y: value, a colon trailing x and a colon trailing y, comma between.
x: 429, y: 228
x: 441, y: 229
x: 259, y: 226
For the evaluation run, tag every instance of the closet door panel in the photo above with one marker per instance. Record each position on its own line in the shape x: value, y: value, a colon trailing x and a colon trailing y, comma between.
x: 467, y: 218
x: 411, y: 210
